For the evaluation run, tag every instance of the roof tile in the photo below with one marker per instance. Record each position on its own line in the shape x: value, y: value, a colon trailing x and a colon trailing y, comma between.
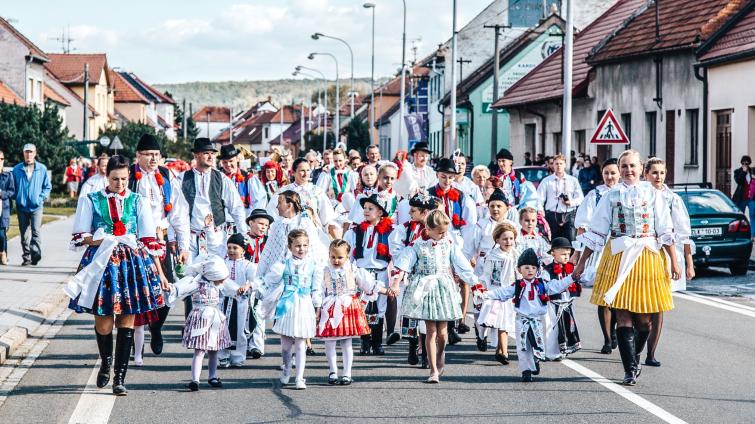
x: 69, y: 68
x: 8, y: 96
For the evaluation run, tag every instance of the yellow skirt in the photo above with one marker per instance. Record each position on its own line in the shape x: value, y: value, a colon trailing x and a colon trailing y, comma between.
x: 647, y: 288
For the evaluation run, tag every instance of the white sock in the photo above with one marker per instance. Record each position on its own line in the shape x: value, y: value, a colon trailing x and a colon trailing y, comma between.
x: 286, y: 344
x: 213, y: 364
x: 301, y: 357
x: 347, y: 354
x: 138, y: 343
x: 196, y: 364
x: 332, y: 356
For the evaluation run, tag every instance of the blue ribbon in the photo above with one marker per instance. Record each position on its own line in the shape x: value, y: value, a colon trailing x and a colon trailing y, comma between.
x: 287, y: 298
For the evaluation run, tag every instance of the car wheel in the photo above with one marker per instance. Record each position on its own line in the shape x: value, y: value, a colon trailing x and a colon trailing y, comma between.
x: 739, y: 269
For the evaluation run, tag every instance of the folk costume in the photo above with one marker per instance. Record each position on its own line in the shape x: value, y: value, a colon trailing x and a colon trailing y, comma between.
x: 498, y: 270
x: 271, y: 186
x: 237, y: 306
x: 562, y: 335
x: 421, y: 178
x: 582, y: 221
x: 312, y: 197
x: 537, y: 242
x: 530, y: 299
x: 249, y: 188
x: 682, y: 234
x: 337, y: 182
x: 254, y: 248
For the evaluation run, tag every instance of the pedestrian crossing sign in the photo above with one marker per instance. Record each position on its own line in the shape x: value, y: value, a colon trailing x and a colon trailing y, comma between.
x: 609, y: 131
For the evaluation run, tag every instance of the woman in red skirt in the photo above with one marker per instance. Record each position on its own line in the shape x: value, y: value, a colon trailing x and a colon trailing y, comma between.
x: 342, y: 313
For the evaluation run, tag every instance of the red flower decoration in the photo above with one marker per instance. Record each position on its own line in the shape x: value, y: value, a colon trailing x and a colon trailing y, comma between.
x: 384, y: 226
x: 622, y: 227
x: 569, y: 267
x: 138, y: 175
x: 512, y: 177
x: 239, y: 178
x: 118, y: 228
x: 456, y: 221
x: 453, y: 194
x: 645, y: 228
x: 159, y: 178
x: 382, y: 250
x: 522, y: 284
x: 544, y: 297
x: 364, y: 226
x: 168, y: 207
x: 558, y: 269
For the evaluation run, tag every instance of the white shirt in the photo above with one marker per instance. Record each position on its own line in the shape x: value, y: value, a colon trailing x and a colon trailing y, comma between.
x: 325, y: 182
x: 527, y: 307
x: 178, y: 218
x: 424, y: 177
x: 551, y: 187
x: 94, y: 183
x: 202, y: 207
x: 311, y: 196
x: 369, y: 254
x: 587, y: 207
x: 481, y: 242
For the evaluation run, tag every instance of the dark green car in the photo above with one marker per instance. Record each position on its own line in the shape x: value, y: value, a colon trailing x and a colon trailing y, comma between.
x: 720, y: 230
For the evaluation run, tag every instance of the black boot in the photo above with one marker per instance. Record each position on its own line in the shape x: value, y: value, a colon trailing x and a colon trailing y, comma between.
x: 625, y: 339
x: 366, y: 342
x: 413, y: 359
x: 423, y: 355
x: 155, y: 331
x: 640, y: 338
x: 105, y: 347
x: 123, y: 344
x: 377, y: 338
x: 453, y: 336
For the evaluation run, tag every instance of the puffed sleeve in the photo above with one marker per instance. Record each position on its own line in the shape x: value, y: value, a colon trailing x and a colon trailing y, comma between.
x: 234, y: 205
x: 272, y: 206
x: 356, y: 213
x: 461, y: 266
x: 366, y: 281
x: 406, y: 259
x: 585, y: 210
x: 472, y: 241
x: 323, y: 181
x: 600, y: 224
x: 259, y: 197
x: 317, y: 277
x: 575, y: 194
x: 402, y: 212
x: 230, y: 288
x: 530, y: 197
x: 251, y: 274
x: 680, y: 219
x: 396, y: 240
x: 272, y: 278
x: 178, y: 217
x: 325, y: 210
x: 503, y: 293
x: 146, y: 230
x: 487, y: 273
x: 82, y: 224
x: 664, y: 226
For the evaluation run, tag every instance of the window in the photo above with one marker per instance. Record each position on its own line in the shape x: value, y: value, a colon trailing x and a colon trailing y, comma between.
x: 580, y: 141
x: 31, y: 89
x: 626, y: 122
x: 556, y: 143
x: 529, y: 137
x: 650, y: 132
x: 267, y: 132
x: 692, y: 136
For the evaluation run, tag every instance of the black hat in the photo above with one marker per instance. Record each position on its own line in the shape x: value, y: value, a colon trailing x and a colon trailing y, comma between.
x: 421, y: 147
x: 424, y: 201
x: 259, y: 213
x: 446, y: 165
x: 147, y: 142
x: 528, y: 257
x: 237, y: 239
x: 377, y: 200
x: 203, y: 144
x: 560, y: 243
x: 504, y: 154
x: 498, y: 196
x: 228, y: 151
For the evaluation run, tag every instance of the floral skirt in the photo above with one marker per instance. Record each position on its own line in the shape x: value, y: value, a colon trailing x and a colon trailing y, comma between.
x: 353, y: 324
x: 130, y: 285
x: 439, y: 300
x: 647, y: 288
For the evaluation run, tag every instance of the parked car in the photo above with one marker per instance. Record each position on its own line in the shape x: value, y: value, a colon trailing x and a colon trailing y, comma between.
x: 533, y: 174
x: 720, y: 230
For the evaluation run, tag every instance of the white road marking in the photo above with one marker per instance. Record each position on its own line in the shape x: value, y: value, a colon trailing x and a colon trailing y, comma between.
x: 95, y: 404
x: 717, y: 300
x: 705, y: 301
x: 34, y: 345
x: 624, y: 392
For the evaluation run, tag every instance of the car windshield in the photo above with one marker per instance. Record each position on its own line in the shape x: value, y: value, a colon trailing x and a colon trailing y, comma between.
x: 534, y: 174
x: 706, y: 202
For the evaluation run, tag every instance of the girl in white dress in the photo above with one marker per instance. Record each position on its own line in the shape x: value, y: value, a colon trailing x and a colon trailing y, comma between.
x: 291, y: 290
x: 531, y: 237
x: 367, y: 184
x: 655, y: 174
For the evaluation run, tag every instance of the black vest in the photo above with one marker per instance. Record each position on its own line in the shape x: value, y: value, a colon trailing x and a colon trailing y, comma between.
x: 216, y: 194
x: 133, y: 182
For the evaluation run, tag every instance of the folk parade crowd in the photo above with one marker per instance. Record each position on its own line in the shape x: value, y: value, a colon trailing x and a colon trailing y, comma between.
x: 327, y: 247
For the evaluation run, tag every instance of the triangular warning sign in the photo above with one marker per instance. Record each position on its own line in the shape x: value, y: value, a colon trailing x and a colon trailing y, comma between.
x: 609, y: 131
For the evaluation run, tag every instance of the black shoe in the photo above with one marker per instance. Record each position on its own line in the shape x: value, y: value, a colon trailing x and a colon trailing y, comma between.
x: 35, y: 260
x: 606, y: 350
x: 537, y: 368
x: 193, y: 386
x: 365, y: 348
x: 413, y: 358
x: 215, y: 382
x: 393, y: 338
x: 376, y: 338
x: 105, y: 347
x: 333, y: 379
x: 123, y: 343
x: 255, y: 353
x: 26, y: 262
x: 453, y: 337
x: 527, y: 376
x: 423, y: 362
x: 463, y: 328
x: 378, y: 350
x: 502, y: 359
x: 345, y: 381
x: 311, y: 351
x: 629, y: 379
x: 652, y: 362
x: 482, y: 344
x: 156, y: 339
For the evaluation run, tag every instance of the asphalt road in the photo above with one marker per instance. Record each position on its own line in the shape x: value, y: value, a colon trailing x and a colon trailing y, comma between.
x: 708, y: 375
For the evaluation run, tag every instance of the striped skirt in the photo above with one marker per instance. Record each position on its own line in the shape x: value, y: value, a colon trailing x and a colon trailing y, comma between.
x: 222, y: 340
x: 647, y: 288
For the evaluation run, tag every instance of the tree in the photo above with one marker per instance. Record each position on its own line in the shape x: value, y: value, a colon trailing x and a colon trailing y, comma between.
x: 129, y: 134
x: 313, y: 141
x: 42, y: 127
x: 358, y: 135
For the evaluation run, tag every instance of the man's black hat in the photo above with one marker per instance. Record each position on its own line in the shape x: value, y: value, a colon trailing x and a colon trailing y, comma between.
x: 424, y: 201
x: 560, y: 243
x: 228, y: 151
x: 504, y: 154
x: 203, y: 144
x: 147, y: 142
x: 447, y: 165
x: 421, y: 147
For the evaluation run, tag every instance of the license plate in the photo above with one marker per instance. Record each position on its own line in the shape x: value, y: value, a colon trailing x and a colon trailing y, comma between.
x: 712, y: 231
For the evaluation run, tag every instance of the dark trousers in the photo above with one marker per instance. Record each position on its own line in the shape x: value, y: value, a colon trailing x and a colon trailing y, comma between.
x: 3, y: 239
x: 32, y: 247
x: 562, y: 224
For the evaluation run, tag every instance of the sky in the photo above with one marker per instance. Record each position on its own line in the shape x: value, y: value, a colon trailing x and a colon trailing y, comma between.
x: 171, y: 41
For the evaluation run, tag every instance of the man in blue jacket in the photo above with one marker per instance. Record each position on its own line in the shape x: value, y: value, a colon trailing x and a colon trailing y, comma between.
x: 32, y: 189
x: 7, y: 194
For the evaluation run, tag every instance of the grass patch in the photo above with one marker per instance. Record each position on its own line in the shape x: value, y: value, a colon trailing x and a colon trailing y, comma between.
x: 60, y: 210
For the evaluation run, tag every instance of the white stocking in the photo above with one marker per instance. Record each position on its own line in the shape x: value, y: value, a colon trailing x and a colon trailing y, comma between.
x: 286, y: 344
x: 347, y: 354
x: 212, y: 364
x: 332, y: 356
x: 138, y: 344
x: 196, y: 364
x: 301, y: 357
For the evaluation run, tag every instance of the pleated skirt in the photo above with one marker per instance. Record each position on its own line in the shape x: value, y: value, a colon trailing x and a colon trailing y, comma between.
x: 440, y: 303
x: 647, y: 288
x: 353, y: 324
x: 195, y: 321
x: 497, y: 314
x: 299, y: 320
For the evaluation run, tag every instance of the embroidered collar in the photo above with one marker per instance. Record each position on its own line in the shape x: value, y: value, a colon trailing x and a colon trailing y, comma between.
x: 109, y: 194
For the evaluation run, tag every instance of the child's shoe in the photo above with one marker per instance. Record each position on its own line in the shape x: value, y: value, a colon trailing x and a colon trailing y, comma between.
x: 301, y: 384
x: 527, y: 376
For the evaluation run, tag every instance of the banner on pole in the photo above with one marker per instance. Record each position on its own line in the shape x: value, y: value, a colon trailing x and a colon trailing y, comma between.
x: 415, y: 127
x: 609, y: 131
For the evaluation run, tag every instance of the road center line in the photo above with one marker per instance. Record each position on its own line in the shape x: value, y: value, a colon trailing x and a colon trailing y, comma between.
x: 95, y: 404
x: 719, y: 305
x: 624, y: 392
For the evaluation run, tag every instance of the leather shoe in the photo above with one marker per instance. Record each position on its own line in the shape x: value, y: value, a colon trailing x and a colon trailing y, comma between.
x: 453, y: 338
x: 463, y: 328
x: 651, y: 362
x: 527, y: 376
x: 482, y: 344
x: 502, y: 359
x: 606, y: 350
x: 255, y: 353
x: 393, y: 338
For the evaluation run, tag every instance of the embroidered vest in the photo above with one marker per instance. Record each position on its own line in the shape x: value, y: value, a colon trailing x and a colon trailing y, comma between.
x: 216, y: 194
x: 381, y: 249
x: 103, y: 216
x: 637, y: 221
x: 539, y: 286
x: 575, y: 289
x: 167, y: 187
x: 412, y: 235
x: 252, y: 252
x: 454, y: 208
x: 243, y: 187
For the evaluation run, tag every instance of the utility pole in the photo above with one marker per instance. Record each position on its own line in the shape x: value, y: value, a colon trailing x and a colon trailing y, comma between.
x: 461, y: 61
x: 568, y: 53
x: 453, y: 136
x: 230, y: 125
x: 185, y: 119
x: 496, y: 71
x: 301, y: 128
x: 86, y: 102
x: 402, y: 107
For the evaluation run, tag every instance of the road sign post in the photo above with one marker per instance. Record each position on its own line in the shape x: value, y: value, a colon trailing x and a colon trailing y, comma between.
x: 609, y: 131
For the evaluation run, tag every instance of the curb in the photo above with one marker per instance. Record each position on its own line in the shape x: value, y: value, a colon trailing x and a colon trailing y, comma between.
x: 14, y: 337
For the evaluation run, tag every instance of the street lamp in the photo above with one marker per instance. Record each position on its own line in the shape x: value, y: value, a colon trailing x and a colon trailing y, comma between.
x: 403, y: 86
x: 372, y: 75
x: 338, y: 94
x: 298, y: 71
x: 316, y: 36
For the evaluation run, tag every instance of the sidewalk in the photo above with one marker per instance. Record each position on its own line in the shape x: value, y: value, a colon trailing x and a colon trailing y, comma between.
x: 28, y: 294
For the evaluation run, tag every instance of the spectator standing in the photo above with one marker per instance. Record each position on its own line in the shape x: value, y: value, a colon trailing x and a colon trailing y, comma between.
x: 742, y: 177
x: 373, y: 154
x: 7, y: 191
x: 527, y: 159
x: 73, y: 178
x: 751, y: 201
x: 32, y: 189
x: 560, y: 194
x: 588, y: 176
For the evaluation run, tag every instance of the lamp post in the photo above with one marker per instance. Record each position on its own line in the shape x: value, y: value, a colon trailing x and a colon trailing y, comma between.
x: 402, y: 106
x: 372, y: 75
x: 338, y: 94
x: 316, y: 36
x: 453, y: 140
x: 298, y: 71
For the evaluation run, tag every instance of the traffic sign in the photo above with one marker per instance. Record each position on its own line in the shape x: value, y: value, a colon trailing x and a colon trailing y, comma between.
x: 609, y: 131
x: 104, y: 141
